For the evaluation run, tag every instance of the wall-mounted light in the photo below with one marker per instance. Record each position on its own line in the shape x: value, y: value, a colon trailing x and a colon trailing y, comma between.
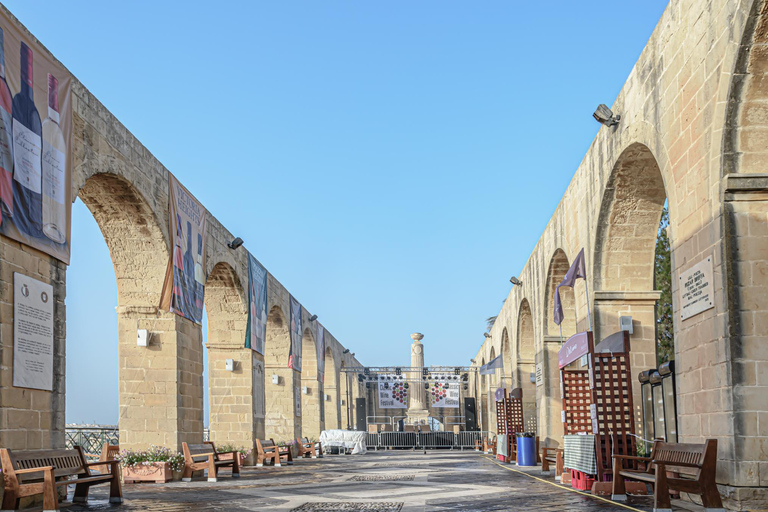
x: 346, y: 351
x: 327, y: 398
x: 234, y: 244
x: 487, y: 335
x: 305, y: 390
x: 229, y: 365
x: 472, y: 361
x: 533, y: 378
x: 313, y: 318
x: 515, y: 281
x: 605, y: 116
x: 275, y: 379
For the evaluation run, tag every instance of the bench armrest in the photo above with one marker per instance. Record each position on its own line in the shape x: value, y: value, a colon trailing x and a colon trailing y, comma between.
x: 101, y: 462
x: 32, y: 470
x: 192, y: 456
x: 664, y: 463
x: 632, y: 457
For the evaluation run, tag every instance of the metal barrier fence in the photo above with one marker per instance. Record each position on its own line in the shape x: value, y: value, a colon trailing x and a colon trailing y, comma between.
x: 90, y: 439
x: 431, y: 440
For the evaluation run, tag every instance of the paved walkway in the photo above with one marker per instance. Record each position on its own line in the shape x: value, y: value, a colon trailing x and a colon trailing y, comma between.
x: 379, y: 481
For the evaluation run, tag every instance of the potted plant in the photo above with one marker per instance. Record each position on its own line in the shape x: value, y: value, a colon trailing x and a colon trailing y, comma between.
x: 292, y: 446
x: 225, y: 448
x: 156, y: 464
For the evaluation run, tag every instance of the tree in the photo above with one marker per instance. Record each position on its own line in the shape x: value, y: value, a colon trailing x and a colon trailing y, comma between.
x: 490, y: 321
x: 665, y: 331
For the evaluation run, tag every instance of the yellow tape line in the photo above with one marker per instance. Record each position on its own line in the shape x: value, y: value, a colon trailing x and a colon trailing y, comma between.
x: 562, y: 487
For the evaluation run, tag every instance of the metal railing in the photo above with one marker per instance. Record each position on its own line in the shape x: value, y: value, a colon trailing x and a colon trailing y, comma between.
x: 91, y: 439
x: 426, y: 440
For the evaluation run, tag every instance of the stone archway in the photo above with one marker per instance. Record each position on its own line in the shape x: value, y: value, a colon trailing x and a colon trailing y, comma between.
x: 312, y: 413
x: 331, y: 387
x: 625, y: 249
x: 233, y: 420
x: 526, y: 364
x: 280, y: 422
x: 558, y: 266
x: 164, y: 379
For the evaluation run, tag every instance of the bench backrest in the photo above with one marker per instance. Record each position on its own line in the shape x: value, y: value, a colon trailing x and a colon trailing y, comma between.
x: 193, y: 451
x: 703, y: 455
x: 264, y: 443
x: 65, y: 462
x: 109, y: 451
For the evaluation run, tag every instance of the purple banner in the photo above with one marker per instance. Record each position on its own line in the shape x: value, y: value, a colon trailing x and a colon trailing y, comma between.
x: 576, y: 346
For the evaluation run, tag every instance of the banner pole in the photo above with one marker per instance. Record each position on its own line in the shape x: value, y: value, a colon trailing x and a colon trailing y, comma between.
x: 589, y: 315
x: 561, y: 333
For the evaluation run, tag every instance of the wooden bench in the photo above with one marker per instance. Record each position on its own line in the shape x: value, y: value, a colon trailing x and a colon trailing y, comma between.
x: 694, y: 463
x: 552, y: 456
x: 267, y: 450
x: 204, y: 456
x: 27, y: 473
x: 309, y: 449
x: 108, y: 452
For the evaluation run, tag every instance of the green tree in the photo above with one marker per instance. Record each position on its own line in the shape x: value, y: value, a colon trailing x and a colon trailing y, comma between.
x: 665, y: 331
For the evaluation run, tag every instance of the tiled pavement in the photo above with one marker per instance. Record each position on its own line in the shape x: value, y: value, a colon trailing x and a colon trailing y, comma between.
x: 441, y: 481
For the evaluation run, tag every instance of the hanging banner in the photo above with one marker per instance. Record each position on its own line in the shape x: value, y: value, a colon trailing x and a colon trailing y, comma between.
x: 256, y: 332
x: 320, y: 346
x: 490, y: 368
x: 445, y: 394
x: 393, y: 393
x: 294, y: 356
x: 259, y: 404
x: 35, y: 144
x: 184, y: 287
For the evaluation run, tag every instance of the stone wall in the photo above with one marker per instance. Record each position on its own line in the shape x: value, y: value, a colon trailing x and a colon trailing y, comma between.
x: 692, y: 133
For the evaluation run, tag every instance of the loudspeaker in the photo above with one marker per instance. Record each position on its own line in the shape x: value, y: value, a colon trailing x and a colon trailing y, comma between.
x: 470, y: 413
x: 360, y: 419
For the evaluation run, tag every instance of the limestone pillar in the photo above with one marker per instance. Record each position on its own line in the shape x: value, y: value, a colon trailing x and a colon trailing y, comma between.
x: 161, y: 385
x: 283, y: 417
x: 549, y: 403
x: 417, y: 408
x: 312, y: 407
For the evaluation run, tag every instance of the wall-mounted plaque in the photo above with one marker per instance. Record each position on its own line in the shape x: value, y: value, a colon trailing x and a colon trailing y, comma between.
x: 697, y: 292
x: 539, y: 374
x: 32, y: 333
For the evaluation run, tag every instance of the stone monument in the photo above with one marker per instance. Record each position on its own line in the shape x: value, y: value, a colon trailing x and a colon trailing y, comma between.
x: 418, y: 412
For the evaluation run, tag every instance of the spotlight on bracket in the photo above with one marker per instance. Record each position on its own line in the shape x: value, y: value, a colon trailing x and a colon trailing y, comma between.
x: 346, y: 351
x: 234, y: 244
x: 313, y: 318
x: 486, y: 335
x: 515, y: 281
x: 605, y: 116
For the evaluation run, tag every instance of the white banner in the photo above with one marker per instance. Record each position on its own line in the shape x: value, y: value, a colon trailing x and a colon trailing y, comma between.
x: 392, y: 392
x: 444, y: 394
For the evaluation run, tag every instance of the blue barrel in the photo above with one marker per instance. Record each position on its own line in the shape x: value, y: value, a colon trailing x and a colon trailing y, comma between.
x: 526, y: 450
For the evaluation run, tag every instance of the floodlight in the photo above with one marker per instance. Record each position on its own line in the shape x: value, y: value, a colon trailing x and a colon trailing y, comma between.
x: 313, y: 318
x: 234, y: 244
x: 515, y: 281
x: 605, y: 116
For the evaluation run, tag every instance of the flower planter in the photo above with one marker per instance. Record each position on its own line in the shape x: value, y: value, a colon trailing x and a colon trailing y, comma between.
x: 158, y: 472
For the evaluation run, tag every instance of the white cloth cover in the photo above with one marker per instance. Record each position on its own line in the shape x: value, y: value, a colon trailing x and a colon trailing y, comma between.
x: 348, y: 439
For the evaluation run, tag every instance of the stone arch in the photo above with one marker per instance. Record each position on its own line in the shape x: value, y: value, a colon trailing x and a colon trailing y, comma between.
x: 227, y: 319
x: 625, y: 252
x: 139, y: 248
x: 558, y: 266
x: 280, y: 420
x: 526, y: 363
x: 137, y: 242
x: 331, y: 387
x: 312, y: 414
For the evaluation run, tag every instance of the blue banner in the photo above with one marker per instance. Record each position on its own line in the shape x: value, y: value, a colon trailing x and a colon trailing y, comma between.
x: 256, y: 332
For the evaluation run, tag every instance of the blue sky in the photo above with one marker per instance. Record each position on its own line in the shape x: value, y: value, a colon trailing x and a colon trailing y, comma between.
x: 391, y: 163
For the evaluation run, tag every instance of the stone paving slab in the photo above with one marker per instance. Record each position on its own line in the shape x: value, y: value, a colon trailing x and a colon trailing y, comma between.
x: 441, y: 481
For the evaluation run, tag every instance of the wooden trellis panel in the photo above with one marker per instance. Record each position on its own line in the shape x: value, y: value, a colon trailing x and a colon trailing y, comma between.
x: 577, y: 397
x: 515, y: 421
x: 612, y: 395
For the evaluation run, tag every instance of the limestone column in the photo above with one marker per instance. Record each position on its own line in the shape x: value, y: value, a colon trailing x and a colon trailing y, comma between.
x: 417, y: 409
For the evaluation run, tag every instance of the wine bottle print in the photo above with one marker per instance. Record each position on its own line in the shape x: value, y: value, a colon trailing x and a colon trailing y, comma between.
x: 27, y: 153
x: 6, y: 137
x: 54, y: 169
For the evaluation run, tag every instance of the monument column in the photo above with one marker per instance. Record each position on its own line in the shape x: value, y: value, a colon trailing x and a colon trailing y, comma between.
x: 417, y: 409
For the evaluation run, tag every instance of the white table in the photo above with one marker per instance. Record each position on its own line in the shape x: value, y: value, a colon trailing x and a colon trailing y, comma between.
x: 353, y: 440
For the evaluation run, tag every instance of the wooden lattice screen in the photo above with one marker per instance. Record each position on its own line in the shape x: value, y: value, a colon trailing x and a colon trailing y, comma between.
x: 515, y: 421
x: 612, y: 395
x: 577, y: 397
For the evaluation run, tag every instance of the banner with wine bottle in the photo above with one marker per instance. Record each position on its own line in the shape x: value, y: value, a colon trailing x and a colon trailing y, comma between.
x: 294, y: 356
x: 35, y: 142
x: 256, y: 332
x: 184, y: 287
